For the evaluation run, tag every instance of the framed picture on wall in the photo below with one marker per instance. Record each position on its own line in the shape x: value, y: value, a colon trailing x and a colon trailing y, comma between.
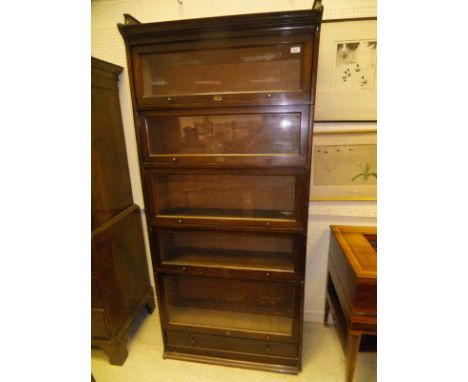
x: 344, y: 166
x: 347, y: 71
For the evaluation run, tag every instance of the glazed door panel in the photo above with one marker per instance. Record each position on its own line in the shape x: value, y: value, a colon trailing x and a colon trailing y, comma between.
x: 222, y: 137
x: 250, y: 307
x: 268, y: 70
x: 240, y: 254
x: 228, y: 198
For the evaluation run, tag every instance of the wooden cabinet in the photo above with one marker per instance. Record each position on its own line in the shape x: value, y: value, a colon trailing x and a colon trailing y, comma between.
x: 223, y: 112
x: 352, y: 290
x: 119, y: 272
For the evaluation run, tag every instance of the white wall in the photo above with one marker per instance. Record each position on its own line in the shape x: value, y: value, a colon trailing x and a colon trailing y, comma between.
x: 106, y: 13
x: 108, y: 45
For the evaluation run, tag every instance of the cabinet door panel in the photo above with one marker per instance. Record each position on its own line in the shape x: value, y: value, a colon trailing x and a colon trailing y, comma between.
x: 264, y: 136
x: 241, y: 254
x: 111, y: 191
x: 269, y: 70
x: 120, y: 262
x: 244, y: 308
x: 227, y: 198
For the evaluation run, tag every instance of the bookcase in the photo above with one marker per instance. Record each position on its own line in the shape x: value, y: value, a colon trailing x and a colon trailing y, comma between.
x: 223, y: 110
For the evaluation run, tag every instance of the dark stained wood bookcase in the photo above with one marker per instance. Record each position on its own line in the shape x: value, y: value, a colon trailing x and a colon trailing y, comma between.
x: 119, y: 272
x: 223, y: 111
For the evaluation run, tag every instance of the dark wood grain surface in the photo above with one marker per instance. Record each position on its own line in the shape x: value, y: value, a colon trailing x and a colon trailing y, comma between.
x: 119, y: 275
x: 110, y: 181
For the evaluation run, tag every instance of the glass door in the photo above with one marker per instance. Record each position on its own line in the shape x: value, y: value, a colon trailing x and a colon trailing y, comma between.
x: 266, y: 136
x: 266, y: 69
x: 229, y: 197
x: 230, y: 304
x: 270, y: 255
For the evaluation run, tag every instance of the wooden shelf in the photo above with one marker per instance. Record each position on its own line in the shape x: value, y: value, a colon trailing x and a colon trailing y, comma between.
x: 277, y: 261
x: 228, y: 320
x: 224, y: 212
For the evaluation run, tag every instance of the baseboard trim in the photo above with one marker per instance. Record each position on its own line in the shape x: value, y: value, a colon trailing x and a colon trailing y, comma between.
x: 315, y: 316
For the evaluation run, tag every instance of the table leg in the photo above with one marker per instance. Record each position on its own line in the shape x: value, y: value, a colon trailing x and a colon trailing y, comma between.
x: 327, y: 311
x: 352, y: 350
x: 327, y: 303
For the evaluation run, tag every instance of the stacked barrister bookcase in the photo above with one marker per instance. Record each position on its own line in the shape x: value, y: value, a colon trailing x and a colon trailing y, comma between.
x: 223, y: 111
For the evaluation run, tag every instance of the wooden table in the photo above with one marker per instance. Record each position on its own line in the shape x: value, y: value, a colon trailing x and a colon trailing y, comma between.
x: 352, y: 290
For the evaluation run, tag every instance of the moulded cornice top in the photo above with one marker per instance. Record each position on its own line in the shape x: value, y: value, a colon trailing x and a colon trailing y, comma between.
x: 96, y: 63
x: 284, y: 20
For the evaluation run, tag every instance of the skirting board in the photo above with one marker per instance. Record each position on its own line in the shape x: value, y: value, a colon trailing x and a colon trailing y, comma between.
x: 315, y: 316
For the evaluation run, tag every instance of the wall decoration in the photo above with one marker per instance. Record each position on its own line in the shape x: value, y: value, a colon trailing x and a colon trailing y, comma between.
x: 355, y: 65
x: 347, y: 72
x: 344, y: 166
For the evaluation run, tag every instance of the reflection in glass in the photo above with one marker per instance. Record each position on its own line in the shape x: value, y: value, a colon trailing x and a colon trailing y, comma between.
x: 227, y: 250
x: 216, y: 71
x: 238, y: 196
x: 274, y: 133
x: 230, y: 304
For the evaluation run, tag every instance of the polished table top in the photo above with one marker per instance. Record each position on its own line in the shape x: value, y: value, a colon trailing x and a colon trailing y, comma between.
x: 357, y: 244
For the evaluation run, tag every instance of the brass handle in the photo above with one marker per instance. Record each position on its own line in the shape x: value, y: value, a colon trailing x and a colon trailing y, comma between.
x: 179, y: 221
x: 192, y: 340
x: 174, y: 160
x: 268, y: 348
x: 267, y: 274
x: 217, y: 98
x: 184, y: 268
x: 169, y: 99
x: 268, y: 224
x: 269, y: 95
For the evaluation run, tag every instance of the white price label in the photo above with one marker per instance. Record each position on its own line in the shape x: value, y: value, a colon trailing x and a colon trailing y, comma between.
x: 295, y: 49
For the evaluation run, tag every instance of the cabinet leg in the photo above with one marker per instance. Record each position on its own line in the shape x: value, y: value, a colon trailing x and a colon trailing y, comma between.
x: 352, y: 350
x: 117, y: 353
